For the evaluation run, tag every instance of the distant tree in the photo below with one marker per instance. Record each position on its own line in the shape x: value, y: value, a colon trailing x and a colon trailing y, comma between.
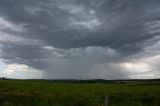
x: 3, y: 78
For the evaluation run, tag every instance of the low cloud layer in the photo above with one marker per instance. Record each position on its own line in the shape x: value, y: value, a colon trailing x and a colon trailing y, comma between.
x: 75, y: 39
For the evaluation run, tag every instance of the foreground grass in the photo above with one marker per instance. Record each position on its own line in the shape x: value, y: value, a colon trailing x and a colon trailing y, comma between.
x: 45, y: 93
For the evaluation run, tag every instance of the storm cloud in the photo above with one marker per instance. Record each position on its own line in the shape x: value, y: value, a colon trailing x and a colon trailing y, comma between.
x: 84, y: 39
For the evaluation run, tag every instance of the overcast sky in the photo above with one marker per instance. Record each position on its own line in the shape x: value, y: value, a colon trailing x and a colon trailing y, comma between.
x: 80, y: 39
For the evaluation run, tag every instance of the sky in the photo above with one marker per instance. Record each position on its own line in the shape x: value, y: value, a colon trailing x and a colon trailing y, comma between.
x: 80, y: 39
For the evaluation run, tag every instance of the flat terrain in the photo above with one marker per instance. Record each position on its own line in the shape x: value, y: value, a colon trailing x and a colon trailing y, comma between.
x: 52, y: 93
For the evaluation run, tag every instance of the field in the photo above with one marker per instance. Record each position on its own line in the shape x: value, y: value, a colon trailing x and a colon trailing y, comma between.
x: 52, y: 93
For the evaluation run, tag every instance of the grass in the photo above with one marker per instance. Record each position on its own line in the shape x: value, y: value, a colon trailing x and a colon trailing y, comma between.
x: 48, y: 93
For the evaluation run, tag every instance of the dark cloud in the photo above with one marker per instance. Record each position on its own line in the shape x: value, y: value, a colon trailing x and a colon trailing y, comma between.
x: 51, y: 33
x: 50, y: 22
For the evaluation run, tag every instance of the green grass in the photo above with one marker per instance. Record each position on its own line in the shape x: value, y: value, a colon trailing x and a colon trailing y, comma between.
x: 47, y: 93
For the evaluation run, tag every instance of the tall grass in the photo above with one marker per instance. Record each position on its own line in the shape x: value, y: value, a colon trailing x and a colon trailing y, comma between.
x: 45, y: 93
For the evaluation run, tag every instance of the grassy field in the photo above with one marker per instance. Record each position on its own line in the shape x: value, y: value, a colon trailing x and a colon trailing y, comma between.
x: 49, y: 93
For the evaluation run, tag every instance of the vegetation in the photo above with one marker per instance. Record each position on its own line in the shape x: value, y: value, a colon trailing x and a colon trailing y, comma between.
x: 73, y: 93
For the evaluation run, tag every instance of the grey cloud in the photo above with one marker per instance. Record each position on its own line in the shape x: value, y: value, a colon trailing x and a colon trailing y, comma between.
x: 77, y: 34
x: 77, y: 62
x: 122, y: 19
